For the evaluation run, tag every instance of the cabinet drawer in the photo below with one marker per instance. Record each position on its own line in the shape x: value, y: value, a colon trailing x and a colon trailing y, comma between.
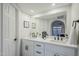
x: 38, y: 53
x: 38, y: 46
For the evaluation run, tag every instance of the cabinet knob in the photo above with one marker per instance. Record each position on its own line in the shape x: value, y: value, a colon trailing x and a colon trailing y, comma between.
x: 15, y: 39
x: 26, y: 47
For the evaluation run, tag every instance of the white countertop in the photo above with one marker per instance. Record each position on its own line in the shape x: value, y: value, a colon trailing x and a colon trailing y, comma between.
x: 54, y: 43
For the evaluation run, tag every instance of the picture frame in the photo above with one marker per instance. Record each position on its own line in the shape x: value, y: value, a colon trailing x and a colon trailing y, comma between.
x: 33, y: 25
x: 26, y: 24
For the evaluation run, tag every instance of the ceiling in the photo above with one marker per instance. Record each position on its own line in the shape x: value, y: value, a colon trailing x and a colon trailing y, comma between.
x: 37, y: 8
x: 51, y: 16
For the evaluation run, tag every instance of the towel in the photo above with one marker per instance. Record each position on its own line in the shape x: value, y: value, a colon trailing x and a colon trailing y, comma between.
x: 73, y: 36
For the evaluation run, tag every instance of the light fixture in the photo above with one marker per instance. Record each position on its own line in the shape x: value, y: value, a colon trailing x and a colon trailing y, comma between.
x: 32, y: 10
x: 53, y: 4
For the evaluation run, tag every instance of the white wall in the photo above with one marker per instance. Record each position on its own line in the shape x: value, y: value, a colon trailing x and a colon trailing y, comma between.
x: 41, y: 25
x: 24, y: 32
x: 68, y: 20
x: 75, y: 15
x: 75, y: 11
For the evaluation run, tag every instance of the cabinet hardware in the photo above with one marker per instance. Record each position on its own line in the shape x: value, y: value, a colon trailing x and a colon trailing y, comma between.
x: 15, y: 39
x: 38, y: 45
x: 26, y: 47
x: 38, y: 52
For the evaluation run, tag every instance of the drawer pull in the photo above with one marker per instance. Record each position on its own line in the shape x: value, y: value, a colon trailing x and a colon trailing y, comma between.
x: 38, y: 45
x: 38, y: 52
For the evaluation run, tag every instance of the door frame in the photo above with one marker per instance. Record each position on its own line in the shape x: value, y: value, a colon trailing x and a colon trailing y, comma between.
x: 18, y: 44
x: 1, y: 29
x: 17, y: 33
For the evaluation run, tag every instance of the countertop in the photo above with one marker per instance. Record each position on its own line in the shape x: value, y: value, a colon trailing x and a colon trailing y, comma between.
x: 54, y: 43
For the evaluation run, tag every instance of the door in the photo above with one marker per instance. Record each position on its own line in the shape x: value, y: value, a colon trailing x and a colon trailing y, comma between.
x: 9, y: 30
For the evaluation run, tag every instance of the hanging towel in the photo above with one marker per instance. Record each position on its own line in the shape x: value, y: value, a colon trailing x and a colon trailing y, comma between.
x: 73, y: 36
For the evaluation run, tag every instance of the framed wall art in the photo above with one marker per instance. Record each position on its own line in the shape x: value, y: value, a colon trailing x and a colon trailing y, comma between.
x: 33, y: 25
x: 26, y: 24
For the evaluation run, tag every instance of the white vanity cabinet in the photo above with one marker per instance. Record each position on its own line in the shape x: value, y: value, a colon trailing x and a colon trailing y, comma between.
x: 27, y: 48
x: 36, y: 48
x: 56, y: 50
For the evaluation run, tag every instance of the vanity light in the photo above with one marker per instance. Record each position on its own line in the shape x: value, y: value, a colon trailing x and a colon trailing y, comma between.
x: 32, y: 11
x: 53, y: 4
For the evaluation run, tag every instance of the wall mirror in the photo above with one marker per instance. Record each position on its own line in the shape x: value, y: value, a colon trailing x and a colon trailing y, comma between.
x: 58, y: 28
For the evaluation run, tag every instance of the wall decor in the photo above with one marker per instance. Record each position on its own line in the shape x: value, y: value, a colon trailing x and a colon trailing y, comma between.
x: 33, y: 25
x: 26, y: 24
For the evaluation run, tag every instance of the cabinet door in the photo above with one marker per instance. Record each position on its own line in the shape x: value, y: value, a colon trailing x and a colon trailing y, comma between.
x: 54, y: 50
x: 27, y: 48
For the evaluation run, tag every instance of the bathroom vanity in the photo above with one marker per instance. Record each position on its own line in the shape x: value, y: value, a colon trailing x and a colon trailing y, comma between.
x: 40, y: 47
